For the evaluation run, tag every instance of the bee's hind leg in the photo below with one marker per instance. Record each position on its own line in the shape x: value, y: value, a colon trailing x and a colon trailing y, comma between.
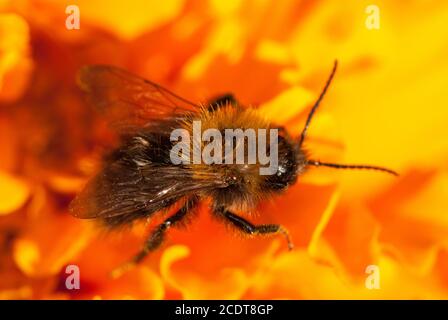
x: 248, y: 228
x: 157, y: 236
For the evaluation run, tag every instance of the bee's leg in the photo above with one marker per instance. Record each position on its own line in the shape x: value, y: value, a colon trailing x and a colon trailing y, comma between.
x: 157, y: 236
x: 249, y: 228
x: 223, y: 100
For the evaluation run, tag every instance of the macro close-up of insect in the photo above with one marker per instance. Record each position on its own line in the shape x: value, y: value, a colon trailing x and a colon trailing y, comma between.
x: 138, y: 179
x: 223, y: 156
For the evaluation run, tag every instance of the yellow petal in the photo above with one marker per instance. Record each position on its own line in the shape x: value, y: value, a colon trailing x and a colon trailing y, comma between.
x: 13, y: 193
x: 15, y: 61
x: 287, y: 105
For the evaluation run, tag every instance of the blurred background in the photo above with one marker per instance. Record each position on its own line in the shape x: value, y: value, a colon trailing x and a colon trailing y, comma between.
x: 386, y: 106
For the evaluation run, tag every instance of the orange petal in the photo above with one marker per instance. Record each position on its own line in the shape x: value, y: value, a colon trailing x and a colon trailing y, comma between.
x: 37, y: 253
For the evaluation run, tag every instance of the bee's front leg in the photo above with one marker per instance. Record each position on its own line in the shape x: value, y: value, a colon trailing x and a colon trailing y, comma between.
x: 251, y: 229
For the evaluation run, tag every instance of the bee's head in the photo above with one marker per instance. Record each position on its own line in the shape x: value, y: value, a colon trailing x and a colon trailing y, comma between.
x: 291, y: 163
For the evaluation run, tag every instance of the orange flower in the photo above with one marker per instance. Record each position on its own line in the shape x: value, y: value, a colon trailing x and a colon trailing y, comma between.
x: 386, y: 107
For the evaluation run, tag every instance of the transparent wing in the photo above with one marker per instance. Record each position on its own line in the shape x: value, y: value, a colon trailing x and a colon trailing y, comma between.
x: 117, y: 190
x: 140, y: 179
x: 129, y: 101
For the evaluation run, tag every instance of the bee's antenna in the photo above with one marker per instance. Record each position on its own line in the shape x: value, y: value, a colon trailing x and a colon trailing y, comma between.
x: 349, y: 166
x: 316, y: 105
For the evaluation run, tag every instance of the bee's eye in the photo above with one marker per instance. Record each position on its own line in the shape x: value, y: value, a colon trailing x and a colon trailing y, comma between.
x: 287, y: 167
x: 281, y: 170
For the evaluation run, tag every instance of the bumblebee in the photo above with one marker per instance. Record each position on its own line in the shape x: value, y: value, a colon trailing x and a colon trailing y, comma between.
x: 137, y: 179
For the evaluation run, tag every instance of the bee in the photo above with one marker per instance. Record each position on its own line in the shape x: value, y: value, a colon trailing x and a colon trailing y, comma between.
x: 138, y: 179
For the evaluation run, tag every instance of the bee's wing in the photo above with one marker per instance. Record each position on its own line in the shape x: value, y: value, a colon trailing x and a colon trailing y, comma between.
x: 124, y: 186
x: 123, y: 189
x: 129, y: 101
